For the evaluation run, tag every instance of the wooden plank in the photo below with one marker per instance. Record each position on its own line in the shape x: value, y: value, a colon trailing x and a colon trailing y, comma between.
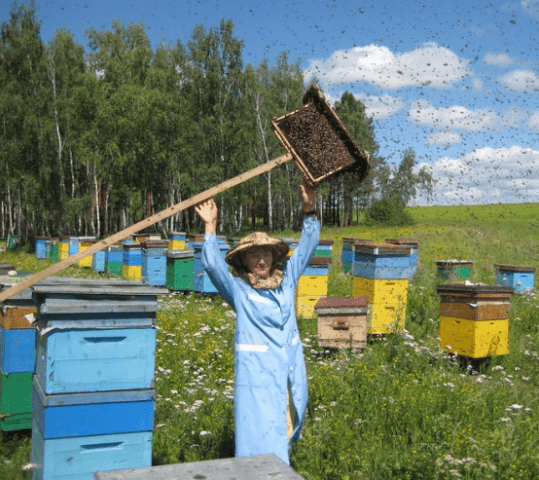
x: 147, y: 222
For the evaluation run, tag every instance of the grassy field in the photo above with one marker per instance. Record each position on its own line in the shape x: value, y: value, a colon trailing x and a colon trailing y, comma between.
x: 400, y: 409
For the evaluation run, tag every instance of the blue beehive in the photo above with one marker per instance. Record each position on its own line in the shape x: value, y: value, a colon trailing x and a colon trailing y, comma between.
x: 40, y: 247
x: 201, y: 281
x: 521, y: 278
x: 318, y: 266
x: 347, y: 253
x: 17, y: 348
x: 132, y: 254
x: 154, y: 262
x: 408, y: 242
x: 93, y: 385
x: 382, y: 261
x: 98, y: 261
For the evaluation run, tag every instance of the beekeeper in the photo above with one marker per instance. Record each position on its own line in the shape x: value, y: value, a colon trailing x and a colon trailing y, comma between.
x: 269, y: 366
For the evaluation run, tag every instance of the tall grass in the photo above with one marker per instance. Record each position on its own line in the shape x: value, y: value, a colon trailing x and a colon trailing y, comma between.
x: 402, y: 408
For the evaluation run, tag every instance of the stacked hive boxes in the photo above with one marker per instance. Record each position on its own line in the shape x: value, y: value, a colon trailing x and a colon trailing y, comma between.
x: 342, y: 322
x: 68, y: 246
x: 408, y: 242
x: 474, y: 319
x: 154, y: 262
x: 17, y: 352
x: 177, y: 241
x: 347, y: 253
x: 114, y: 259
x: 84, y: 243
x: 454, y: 271
x: 312, y: 286
x: 54, y: 251
x: 41, y: 247
x: 93, y: 397
x: 201, y: 280
x: 521, y: 278
x: 132, y: 261
x: 180, y: 265
x: 98, y: 261
x: 381, y: 273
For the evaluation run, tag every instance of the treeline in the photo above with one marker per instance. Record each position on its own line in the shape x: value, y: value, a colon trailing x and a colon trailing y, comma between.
x: 91, y: 142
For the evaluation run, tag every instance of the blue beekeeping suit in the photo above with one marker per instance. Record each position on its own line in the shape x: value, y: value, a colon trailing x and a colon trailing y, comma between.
x: 269, y: 358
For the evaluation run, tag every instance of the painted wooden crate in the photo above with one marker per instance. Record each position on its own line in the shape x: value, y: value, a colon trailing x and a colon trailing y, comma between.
x: 132, y: 261
x: 312, y: 286
x: 408, y: 242
x: 177, y: 241
x: 474, y: 319
x: 15, y: 401
x: 387, y: 303
x: 55, y: 249
x: 154, y: 262
x: 180, y: 265
x: 258, y: 467
x: 201, y: 280
x: 78, y: 458
x: 84, y: 243
x: 17, y: 348
x: 521, y: 278
x: 382, y: 261
x: 40, y: 247
x: 342, y: 322
x: 347, y: 252
x: 93, y: 413
x: 98, y: 261
x: 68, y: 246
x: 114, y: 259
x: 95, y: 335
x: 324, y: 248
x: 454, y: 271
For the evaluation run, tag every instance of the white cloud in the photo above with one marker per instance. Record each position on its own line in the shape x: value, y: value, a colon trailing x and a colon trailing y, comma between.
x: 431, y: 65
x: 487, y: 175
x: 423, y: 113
x: 381, y: 107
x: 521, y: 81
x: 444, y: 138
x: 499, y: 59
x: 533, y: 122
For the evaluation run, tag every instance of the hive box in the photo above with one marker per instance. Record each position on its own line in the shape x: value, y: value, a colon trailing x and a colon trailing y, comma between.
x: 312, y: 286
x: 382, y: 261
x: 180, y: 264
x: 347, y: 253
x: 521, y: 278
x: 80, y: 457
x: 132, y: 261
x: 342, y: 322
x: 201, y: 280
x: 94, y: 413
x: 454, y: 271
x: 474, y: 319
x: 154, y: 262
x: 40, y: 247
x: 17, y: 347
x: 408, y: 242
x: 84, y: 243
x: 324, y: 248
x: 114, y: 259
x: 15, y: 401
x: 176, y: 240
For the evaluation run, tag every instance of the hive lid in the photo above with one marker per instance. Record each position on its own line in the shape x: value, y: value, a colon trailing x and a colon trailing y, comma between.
x: 402, y: 241
x: 453, y: 263
x: 155, y: 243
x: 315, y: 260
x: 325, y: 242
x: 341, y: 305
x: 460, y: 292
x: 180, y: 253
x: 382, y: 249
x: 514, y: 268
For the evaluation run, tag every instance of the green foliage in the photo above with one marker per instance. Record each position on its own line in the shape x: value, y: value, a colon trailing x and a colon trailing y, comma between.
x: 389, y: 211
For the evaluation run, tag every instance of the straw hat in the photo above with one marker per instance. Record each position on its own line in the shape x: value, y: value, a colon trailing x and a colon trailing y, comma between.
x: 257, y: 239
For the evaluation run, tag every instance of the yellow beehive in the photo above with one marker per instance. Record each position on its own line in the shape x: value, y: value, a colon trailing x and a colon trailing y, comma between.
x: 313, y: 285
x: 305, y: 305
x: 386, y: 318
x: 86, y: 261
x: 380, y: 290
x: 474, y: 339
x: 64, y: 250
x: 132, y: 272
x: 177, y: 245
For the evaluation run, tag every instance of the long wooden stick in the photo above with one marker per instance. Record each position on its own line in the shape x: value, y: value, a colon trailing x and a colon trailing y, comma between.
x: 147, y: 222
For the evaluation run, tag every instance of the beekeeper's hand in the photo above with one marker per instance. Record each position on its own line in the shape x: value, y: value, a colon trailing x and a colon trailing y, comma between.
x: 308, y: 196
x: 208, y: 212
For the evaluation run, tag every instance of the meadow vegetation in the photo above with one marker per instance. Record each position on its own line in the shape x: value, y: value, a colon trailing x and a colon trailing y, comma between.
x: 402, y: 408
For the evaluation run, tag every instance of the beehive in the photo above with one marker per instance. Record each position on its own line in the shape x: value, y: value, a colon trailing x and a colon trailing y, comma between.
x: 312, y: 286
x: 180, y: 265
x: 55, y: 249
x: 347, y: 253
x: 40, y: 247
x: 342, y: 322
x: 114, y: 259
x: 474, y: 319
x: 454, y: 271
x: 84, y: 243
x: 177, y: 241
x: 132, y: 261
x: 324, y: 248
x: 93, y: 397
x: 372, y: 260
x: 15, y: 401
x: 201, y: 281
x: 521, y: 278
x: 98, y: 261
x: 154, y: 262
x: 408, y: 242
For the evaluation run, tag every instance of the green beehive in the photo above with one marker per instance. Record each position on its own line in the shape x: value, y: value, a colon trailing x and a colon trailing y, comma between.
x: 180, y: 266
x: 454, y: 271
x: 55, y: 250
x: 15, y: 401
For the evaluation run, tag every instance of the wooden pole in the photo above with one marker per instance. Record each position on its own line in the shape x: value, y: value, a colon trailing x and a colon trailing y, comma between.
x: 147, y: 222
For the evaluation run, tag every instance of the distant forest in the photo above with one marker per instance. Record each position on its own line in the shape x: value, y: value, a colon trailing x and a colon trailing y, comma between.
x: 93, y: 140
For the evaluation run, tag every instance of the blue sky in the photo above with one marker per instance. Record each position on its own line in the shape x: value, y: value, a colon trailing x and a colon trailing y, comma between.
x: 456, y: 81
